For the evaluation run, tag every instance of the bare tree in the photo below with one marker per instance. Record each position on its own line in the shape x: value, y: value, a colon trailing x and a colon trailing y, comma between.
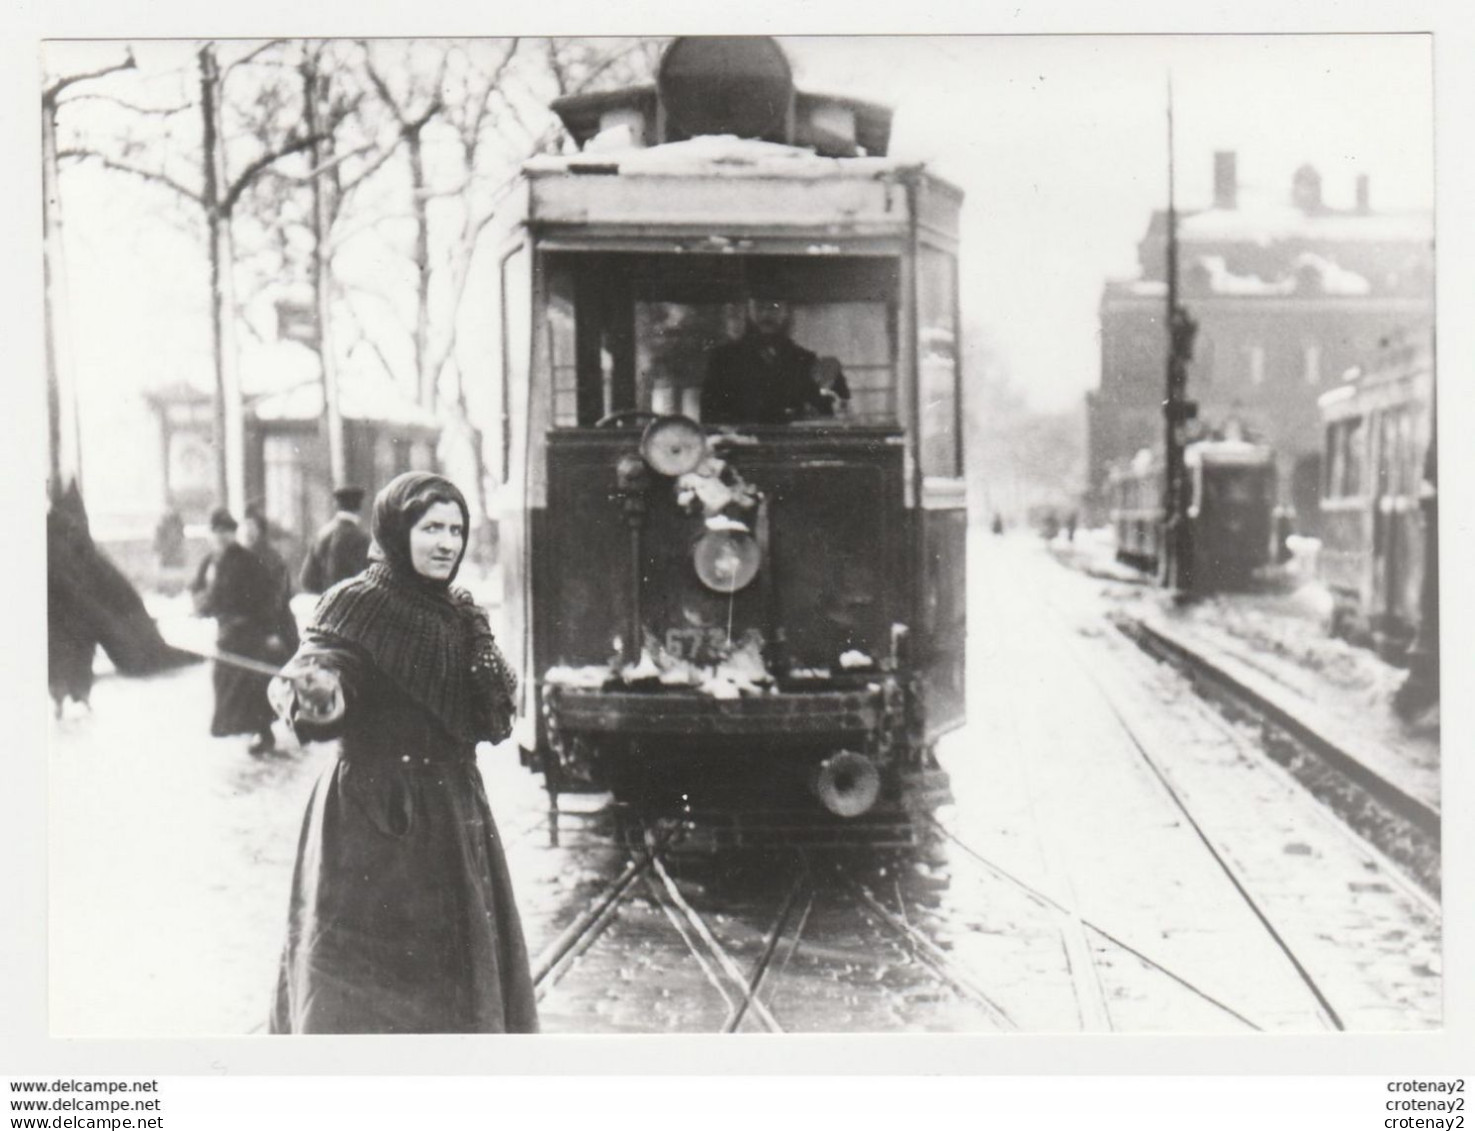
x: 245, y: 128
x: 62, y: 433
x: 467, y: 115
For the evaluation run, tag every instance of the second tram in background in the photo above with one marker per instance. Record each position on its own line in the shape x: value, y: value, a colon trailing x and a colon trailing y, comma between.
x: 732, y: 616
x: 1230, y: 512
x: 1377, y: 508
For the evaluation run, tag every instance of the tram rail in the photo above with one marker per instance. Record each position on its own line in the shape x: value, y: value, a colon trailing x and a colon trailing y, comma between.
x: 1257, y: 904
x: 1380, y: 811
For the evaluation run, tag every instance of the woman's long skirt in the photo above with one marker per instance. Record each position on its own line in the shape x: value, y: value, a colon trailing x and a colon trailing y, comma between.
x: 402, y: 918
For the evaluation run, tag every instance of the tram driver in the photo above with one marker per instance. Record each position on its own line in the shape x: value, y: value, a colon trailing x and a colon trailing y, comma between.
x: 766, y: 378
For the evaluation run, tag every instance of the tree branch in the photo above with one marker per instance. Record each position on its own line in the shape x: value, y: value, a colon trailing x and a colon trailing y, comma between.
x: 408, y: 126
x: 160, y: 111
x: 381, y: 87
x: 250, y: 55
x: 48, y: 97
x: 123, y: 167
x: 371, y: 168
x: 295, y: 143
x: 326, y: 166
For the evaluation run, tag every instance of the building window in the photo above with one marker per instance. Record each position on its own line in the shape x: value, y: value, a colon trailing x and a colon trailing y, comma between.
x: 1312, y: 357
x: 1257, y: 365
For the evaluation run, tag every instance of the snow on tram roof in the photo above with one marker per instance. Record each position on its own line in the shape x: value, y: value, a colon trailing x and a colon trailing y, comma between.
x: 717, y: 155
x: 1222, y: 452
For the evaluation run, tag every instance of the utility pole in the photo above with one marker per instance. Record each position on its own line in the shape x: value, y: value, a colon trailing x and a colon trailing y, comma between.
x: 1176, y: 567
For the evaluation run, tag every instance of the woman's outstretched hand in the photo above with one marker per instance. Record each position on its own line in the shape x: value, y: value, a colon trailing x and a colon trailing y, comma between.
x: 319, y: 693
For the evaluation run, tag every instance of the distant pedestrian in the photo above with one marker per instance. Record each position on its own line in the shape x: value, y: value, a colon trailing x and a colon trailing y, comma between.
x: 1070, y: 527
x: 169, y: 539
x: 233, y: 586
x: 402, y: 918
x: 341, y: 548
x: 998, y: 523
x: 256, y: 537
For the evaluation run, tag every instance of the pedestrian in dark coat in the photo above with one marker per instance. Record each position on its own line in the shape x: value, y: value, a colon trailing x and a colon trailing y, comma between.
x: 256, y: 537
x: 765, y: 378
x: 402, y: 918
x: 341, y: 548
x: 233, y: 586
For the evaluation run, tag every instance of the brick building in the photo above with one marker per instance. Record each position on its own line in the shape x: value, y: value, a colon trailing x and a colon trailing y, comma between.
x: 1288, y: 296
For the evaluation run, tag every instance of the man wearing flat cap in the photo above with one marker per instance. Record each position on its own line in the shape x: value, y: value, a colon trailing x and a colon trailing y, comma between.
x: 341, y: 548
x: 766, y: 378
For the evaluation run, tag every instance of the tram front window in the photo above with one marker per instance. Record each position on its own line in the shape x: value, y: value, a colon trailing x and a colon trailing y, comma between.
x: 724, y: 341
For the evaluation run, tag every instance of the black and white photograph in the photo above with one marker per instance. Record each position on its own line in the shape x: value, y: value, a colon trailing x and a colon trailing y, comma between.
x: 741, y: 534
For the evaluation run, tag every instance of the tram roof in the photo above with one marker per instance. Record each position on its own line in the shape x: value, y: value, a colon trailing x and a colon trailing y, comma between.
x: 727, y: 156
x: 1244, y: 453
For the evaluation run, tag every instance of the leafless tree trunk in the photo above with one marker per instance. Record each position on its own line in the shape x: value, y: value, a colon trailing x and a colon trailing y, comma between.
x: 230, y: 439
x: 314, y: 84
x: 61, y: 393
x: 412, y: 128
x: 63, y: 426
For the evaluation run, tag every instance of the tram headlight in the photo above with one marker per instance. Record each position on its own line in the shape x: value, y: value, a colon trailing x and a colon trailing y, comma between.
x: 673, y: 445
x: 726, y: 560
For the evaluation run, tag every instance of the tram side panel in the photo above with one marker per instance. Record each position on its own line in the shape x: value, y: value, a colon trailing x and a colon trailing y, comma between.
x: 941, y: 636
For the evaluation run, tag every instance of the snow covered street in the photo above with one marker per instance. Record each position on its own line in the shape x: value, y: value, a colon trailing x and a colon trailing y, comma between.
x: 1117, y: 857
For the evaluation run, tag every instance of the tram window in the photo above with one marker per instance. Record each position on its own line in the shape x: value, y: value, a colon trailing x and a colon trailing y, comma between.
x: 937, y: 351
x: 1335, y: 458
x: 516, y: 343
x: 1345, y: 459
x: 675, y: 340
x: 629, y: 331
x: 1392, y: 458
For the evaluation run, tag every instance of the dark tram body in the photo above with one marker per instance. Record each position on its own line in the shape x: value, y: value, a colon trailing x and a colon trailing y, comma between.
x: 743, y: 614
x: 1230, y: 513
x: 1374, y: 545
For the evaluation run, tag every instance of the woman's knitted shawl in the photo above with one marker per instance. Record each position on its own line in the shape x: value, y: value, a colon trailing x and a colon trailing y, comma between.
x: 436, y: 646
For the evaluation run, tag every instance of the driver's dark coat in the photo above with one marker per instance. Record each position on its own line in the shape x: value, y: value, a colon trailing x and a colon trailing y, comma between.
x: 758, y: 381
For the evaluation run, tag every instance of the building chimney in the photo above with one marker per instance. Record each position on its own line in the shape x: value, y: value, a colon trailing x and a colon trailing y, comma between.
x: 1364, y: 196
x: 1226, y: 181
x: 1306, y: 189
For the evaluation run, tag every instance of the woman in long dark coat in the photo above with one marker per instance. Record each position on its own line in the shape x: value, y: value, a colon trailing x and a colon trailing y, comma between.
x: 233, y: 586
x: 402, y: 918
x: 256, y: 537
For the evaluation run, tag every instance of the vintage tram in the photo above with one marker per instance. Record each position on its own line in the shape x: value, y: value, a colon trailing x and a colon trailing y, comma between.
x: 1230, y: 511
x: 746, y: 614
x: 1374, y: 552
x: 1134, y: 498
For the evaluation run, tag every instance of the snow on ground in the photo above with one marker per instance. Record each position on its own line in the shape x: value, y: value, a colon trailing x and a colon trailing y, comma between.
x: 1281, y: 628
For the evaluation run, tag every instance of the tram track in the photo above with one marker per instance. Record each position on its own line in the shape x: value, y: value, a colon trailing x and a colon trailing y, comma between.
x: 559, y: 956
x: 1399, y: 825
x: 741, y: 990
x: 927, y: 952
x: 1310, y: 969
x: 1086, y: 984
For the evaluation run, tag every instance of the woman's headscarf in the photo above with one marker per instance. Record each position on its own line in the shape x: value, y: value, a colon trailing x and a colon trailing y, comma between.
x: 427, y: 636
x: 398, y: 508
